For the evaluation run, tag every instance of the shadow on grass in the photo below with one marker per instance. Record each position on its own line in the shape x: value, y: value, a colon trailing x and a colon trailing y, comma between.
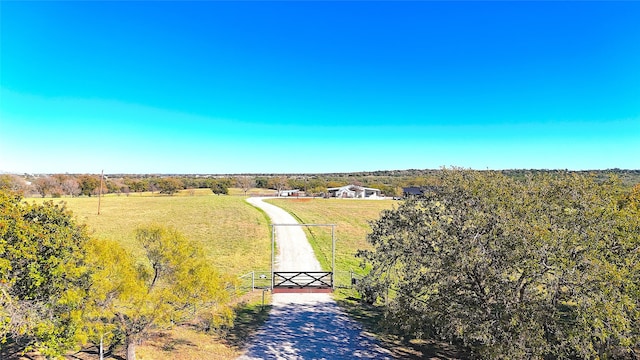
x: 249, y: 318
x: 13, y: 351
x: 371, y: 317
x: 171, y: 344
x: 90, y: 354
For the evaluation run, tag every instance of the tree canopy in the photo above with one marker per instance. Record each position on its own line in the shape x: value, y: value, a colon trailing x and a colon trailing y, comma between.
x: 42, y: 275
x: 169, y: 185
x: 540, y: 267
x: 220, y: 186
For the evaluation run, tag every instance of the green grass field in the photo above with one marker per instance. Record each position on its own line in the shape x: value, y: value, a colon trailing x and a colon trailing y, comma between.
x: 235, y: 235
x: 352, y: 218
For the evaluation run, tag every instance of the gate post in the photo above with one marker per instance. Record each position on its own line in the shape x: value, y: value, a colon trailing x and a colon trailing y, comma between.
x: 273, y: 250
x: 333, y: 256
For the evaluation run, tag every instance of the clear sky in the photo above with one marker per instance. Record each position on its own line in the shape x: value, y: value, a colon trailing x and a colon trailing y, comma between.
x: 326, y: 86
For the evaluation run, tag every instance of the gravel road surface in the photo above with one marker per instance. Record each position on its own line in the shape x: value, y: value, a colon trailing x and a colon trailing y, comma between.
x: 305, y: 326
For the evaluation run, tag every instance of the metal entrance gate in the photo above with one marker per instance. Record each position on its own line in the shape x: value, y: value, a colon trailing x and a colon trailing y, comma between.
x: 302, y: 281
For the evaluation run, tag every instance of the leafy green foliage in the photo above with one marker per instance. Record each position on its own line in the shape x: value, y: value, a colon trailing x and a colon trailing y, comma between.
x: 539, y: 267
x: 169, y: 185
x: 220, y: 186
x: 89, y: 184
x: 173, y: 283
x: 59, y: 289
x: 42, y: 275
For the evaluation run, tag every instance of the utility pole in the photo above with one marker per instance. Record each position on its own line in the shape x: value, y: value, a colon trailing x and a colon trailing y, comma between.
x: 100, y: 190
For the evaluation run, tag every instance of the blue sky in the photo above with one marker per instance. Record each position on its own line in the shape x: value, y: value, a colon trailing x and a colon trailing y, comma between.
x: 302, y: 87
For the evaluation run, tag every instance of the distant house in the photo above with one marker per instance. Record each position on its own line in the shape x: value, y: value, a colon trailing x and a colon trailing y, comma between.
x: 294, y: 192
x: 412, y: 191
x: 354, y: 192
x: 418, y: 191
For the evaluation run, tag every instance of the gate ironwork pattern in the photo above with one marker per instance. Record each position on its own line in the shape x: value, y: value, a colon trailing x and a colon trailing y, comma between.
x: 303, y: 279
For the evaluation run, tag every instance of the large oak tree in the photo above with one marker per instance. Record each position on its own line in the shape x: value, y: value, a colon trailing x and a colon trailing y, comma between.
x: 548, y: 266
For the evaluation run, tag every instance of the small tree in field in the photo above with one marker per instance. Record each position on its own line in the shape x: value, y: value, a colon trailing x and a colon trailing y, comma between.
x: 220, y: 186
x: 262, y: 183
x: 70, y: 186
x: 13, y: 183
x: 171, y: 284
x: 279, y: 183
x: 47, y: 185
x: 89, y: 184
x: 245, y: 183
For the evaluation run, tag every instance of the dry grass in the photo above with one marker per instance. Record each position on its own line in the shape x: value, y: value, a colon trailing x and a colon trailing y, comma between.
x: 186, y: 343
x: 182, y: 343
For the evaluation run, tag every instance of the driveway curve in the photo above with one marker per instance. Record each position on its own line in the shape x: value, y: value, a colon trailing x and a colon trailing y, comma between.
x: 294, y: 251
x: 305, y: 326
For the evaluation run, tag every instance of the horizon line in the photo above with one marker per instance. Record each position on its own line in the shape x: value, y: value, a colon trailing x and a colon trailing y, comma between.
x: 317, y: 173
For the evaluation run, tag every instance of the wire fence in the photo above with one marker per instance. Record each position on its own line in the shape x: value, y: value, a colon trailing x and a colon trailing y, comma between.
x: 257, y: 279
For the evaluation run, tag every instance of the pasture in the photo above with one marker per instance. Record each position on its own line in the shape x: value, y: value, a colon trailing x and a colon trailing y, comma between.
x: 235, y: 235
x: 237, y: 239
x: 352, y: 217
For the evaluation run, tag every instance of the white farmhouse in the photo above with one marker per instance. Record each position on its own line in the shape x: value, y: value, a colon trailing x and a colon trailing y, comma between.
x: 353, y: 192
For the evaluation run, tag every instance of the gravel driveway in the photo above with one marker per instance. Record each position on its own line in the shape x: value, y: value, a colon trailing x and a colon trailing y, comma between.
x: 305, y: 326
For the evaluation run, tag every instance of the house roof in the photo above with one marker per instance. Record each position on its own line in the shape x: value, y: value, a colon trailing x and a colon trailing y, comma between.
x: 419, y: 190
x: 413, y: 190
x: 348, y: 187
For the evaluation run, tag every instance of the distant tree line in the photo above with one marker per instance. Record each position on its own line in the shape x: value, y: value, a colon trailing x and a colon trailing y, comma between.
x: 59, y: 185
x: 390, y: 183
